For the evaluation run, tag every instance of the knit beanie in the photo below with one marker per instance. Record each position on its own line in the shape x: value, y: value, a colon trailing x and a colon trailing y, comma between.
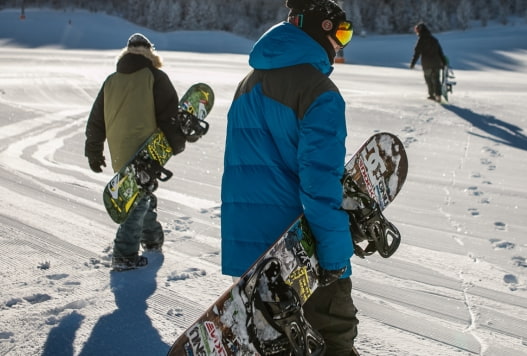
x: 140, y: 45
x: 139, y: 40
x: 317, y: 18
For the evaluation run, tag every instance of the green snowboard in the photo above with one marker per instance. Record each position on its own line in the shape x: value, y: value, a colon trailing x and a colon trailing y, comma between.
x: 131, y: 183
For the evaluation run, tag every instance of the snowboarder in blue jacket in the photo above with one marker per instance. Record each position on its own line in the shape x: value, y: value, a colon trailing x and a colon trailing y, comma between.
x: 284, y: 156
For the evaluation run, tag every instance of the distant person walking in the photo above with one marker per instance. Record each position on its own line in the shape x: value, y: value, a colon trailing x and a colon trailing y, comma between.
x: 432, y: 60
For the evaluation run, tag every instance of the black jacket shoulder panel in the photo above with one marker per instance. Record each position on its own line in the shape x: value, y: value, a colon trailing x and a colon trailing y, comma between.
x: 296, y: 86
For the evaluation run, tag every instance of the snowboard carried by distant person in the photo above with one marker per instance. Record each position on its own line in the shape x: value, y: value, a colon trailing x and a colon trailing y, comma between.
x: 262, y: 313
x: 142, y: 172
x: 447, y: 79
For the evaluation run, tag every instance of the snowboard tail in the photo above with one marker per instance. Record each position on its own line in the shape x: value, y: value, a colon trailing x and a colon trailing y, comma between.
x: 261, y: 314
x: 447, y: 81
x: 141, y: 174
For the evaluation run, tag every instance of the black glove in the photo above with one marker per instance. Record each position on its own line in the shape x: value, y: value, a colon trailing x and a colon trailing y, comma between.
x: 97, y: 163
x: 326, y: 277
x: 172, y: 130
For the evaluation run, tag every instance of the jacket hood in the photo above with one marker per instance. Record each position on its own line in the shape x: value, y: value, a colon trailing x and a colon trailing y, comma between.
x: 285, y: 45
x: 422, y: 30
x: 132, y: 59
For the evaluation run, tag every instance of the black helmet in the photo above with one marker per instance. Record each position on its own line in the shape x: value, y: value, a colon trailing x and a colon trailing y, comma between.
x: 320, y: 18
x: 139, y: 40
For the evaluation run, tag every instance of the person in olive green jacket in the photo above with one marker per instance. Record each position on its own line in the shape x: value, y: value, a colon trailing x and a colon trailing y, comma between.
x: 132, y: 103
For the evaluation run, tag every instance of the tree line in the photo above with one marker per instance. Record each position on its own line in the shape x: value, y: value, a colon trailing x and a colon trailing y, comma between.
x: 250, y: 18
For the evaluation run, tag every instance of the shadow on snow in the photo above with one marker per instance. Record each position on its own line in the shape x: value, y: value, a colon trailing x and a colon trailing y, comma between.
x: 127, y: 330
x: 497, y: 130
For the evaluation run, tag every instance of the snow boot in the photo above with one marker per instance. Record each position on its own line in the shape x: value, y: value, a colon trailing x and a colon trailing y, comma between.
x: 150, y: 247
x: 120, y: 264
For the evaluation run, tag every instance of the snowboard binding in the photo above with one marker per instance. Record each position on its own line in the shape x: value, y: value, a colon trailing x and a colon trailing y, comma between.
x: 367, y: 223
x: 269, y: 296
x: 192, y: 127
x: 148, y: 171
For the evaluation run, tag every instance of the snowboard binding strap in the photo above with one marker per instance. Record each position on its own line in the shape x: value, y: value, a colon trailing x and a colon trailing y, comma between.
x: 148, y: 171
x: 283, y: 313
x: 191, y: 126
x: 367, y: 223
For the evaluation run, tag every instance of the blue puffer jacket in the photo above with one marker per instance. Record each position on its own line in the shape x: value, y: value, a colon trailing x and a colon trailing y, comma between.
x: 284, y: 153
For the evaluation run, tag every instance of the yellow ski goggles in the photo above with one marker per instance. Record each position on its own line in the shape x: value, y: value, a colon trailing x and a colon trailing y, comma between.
x: 343, y: 33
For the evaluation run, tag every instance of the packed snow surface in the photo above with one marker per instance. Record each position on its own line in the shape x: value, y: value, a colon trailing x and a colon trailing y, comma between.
x: 456, y: 286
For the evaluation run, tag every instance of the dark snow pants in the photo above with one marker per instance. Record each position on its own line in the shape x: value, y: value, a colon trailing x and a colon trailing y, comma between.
x: 140, y: 226
x: 432, y: 82
x: 331, y: 312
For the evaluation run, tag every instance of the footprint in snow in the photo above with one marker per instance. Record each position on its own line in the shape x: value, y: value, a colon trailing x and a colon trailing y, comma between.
x: 214, y: 212
x: 186, y: 274
x: 12, y: 302
x: 37, y: 298
x: 512, y: 282
x: 473, y: 211
x: 502, y: 245
x: 487, y: 162
x: 44, y: 265
x: 175, y: 312
x: 498, y: 225
x: 473, y: 190
x: 104, y: 261
x: 408, y: 141
x: 5, y: 335
x: 58, y: 276
x: 491, y: 151
x: 519, y: 261
x: 181, y: 224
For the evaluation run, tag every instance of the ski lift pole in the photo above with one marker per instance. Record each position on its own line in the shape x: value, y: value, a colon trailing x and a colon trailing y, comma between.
x: 339, y: 58
x: 22, y: 11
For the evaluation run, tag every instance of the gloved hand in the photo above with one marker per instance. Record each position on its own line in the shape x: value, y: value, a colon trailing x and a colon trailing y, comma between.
x: 326, y: 277
x: 96, y: 163
x: 172, y: 130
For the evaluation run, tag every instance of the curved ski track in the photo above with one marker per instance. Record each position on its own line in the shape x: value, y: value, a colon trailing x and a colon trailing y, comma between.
x: 52, y: 212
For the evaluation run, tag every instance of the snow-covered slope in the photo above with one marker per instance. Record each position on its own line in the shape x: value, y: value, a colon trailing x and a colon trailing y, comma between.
x: 456, y: 286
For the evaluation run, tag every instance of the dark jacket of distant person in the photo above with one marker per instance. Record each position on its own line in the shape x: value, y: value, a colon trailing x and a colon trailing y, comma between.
x: 429, y: 49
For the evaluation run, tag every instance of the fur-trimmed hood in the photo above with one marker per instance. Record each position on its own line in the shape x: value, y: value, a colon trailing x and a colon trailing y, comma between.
x: 152, y: 55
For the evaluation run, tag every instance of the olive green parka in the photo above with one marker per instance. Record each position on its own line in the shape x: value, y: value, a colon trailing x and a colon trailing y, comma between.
x: 132, y: 103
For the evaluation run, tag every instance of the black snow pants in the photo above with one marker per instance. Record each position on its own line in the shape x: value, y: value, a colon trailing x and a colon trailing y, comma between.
x: 331, y: 311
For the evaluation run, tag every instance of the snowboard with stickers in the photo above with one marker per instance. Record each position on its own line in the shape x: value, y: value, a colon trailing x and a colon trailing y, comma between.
x: 262, y: 314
